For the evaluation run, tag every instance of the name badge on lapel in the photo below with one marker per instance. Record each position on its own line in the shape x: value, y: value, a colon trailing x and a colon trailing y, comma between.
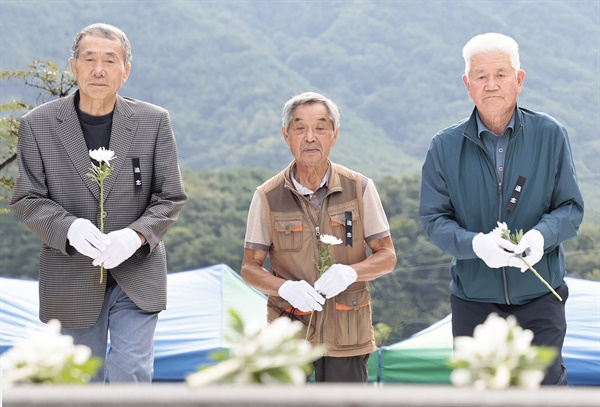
x: 137, y: 175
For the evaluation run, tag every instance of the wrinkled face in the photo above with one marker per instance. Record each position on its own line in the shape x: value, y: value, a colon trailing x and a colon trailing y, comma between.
x: 493, y: 84
x: 310, y: 135
x: 99, y: 68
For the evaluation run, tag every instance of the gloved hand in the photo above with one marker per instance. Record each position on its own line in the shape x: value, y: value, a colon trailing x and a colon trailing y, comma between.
x: 335, y: 280
x: 531, y: 247
x: 490, y: 249
x: 123, y: 243
x: 86, y: 238
x: 301, y: 295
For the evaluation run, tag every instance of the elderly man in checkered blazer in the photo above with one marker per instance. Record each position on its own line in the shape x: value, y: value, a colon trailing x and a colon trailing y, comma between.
x: 59, y: 202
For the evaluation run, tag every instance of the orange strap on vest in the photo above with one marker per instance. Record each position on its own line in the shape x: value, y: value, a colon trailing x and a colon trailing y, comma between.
x: 296, y: 311
x: 340, y: 307
x: 343, y: 307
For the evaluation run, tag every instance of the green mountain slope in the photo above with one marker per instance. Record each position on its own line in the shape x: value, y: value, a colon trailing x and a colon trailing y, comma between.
x: 224, y: 69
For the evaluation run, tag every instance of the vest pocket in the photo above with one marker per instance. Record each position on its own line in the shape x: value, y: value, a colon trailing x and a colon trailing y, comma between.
x: 337, y: 215
x: 288, y: 233
x: 353, y: 318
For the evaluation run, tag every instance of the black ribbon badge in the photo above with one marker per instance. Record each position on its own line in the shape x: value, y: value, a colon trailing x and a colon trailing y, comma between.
x: 512, y: 202
x: 137, y: 175
x: 348, y: 222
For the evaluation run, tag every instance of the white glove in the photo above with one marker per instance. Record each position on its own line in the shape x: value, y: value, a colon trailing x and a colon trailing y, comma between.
x: 490, y: 249
x: 123, y: 243
x: 86, y: 238
x: 335, y: 280
x: 301, y: 295
x: 532, y: 248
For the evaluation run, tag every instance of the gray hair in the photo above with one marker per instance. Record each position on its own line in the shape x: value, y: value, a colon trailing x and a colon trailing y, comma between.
x: 309, y: 98
x: 106, y: 31
x: 490, y: 43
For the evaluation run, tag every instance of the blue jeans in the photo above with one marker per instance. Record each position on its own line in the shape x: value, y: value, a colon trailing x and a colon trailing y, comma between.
x: 131, y: 354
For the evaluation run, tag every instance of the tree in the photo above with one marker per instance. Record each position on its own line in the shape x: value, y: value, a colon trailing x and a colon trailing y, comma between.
x: 50, y: 83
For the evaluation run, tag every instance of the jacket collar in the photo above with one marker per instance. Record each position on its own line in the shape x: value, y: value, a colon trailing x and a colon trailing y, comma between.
x: 470, y: 130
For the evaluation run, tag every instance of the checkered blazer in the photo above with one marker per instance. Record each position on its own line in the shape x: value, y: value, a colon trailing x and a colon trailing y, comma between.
x: 52, y: 190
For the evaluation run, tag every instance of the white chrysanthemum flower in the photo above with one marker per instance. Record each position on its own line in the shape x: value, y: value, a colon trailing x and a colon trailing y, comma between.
x: 272, y: 354
x: 531, y: 379
x: 461, y: 377
x: 329, y: 239
x: 500, y: 229
x: 102, y: 155
x: 497, y: 356
x: 46, y: 356
x: 253, y: 328
x: 501, y: 379
x: 521, y: 342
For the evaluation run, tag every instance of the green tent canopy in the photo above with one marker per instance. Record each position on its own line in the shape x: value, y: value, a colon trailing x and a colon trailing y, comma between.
x: 418, y: 359
x: 422, y: 358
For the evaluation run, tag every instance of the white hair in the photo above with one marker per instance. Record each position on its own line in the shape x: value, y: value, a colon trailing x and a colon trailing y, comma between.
x: 310, y: 98
x: 490, y: 43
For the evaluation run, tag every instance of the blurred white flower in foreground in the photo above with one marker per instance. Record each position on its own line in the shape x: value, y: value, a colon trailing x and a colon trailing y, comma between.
x: 46, y: 356
x: 499, y: 355
x: 270, y: 354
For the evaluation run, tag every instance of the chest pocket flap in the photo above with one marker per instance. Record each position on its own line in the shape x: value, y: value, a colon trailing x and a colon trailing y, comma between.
x: 288, y: 231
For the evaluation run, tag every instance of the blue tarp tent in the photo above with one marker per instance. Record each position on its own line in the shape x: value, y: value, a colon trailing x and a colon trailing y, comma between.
x: 196, y: 324
x: 422, y: 357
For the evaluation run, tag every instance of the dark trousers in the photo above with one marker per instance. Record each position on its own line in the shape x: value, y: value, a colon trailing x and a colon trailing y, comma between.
x: 544, y: 316
x: 353, y: 369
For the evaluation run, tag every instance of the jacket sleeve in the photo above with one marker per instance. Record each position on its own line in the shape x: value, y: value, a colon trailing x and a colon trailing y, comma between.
x: 30, y: 200
x: 565, y: 214
x: 436, y: 210
x: 168, y: 193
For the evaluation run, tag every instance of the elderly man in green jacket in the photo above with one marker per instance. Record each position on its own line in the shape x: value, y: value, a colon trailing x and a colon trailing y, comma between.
x: 503, y: 164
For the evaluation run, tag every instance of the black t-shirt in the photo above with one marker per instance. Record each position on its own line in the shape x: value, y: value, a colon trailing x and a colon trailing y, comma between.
x: 96, y: 131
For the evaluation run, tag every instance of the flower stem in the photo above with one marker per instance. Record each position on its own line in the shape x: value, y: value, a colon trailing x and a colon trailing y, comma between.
x: 540, y: 277
x: 309, y: 324
x: 101, y: 223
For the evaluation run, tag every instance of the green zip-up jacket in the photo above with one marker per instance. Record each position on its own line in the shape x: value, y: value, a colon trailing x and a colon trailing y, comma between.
x: 461, y: 195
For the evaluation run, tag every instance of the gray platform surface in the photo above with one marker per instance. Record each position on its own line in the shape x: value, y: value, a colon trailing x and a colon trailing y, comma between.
x: 326, y: 395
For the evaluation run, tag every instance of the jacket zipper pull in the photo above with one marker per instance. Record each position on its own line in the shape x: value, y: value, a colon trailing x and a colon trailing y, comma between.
x: 318, y: 232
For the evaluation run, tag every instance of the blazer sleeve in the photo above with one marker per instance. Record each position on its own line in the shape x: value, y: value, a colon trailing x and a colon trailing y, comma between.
x: 168, y: 192
x: 30, y: 201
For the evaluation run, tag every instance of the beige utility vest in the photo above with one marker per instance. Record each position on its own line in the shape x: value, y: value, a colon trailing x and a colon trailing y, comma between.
x: 344, y: 326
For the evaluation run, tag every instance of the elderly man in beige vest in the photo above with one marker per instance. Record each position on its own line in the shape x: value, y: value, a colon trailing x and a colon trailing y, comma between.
x: 289, y: 212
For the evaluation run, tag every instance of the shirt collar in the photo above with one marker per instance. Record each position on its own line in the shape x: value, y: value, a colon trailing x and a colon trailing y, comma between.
x: 305, y: 191
x: 481, y: 127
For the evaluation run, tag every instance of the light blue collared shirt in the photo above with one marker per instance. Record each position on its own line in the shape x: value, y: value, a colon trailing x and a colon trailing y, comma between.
x: 496, y: 145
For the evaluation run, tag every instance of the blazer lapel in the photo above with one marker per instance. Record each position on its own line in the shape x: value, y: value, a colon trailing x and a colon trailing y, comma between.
x: 121, y: 137
x: 70, y: 134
